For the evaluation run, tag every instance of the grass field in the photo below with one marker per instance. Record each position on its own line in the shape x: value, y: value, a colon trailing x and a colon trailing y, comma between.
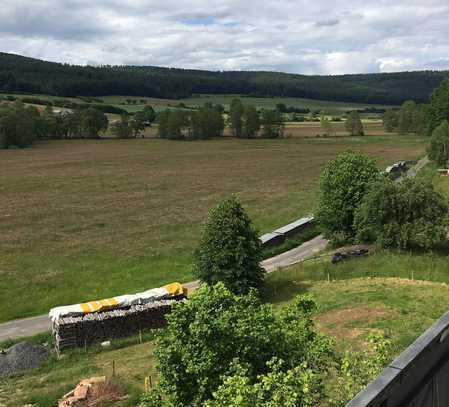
x: 330, y: 107
x: 348, y: 310
x: 85, y: 219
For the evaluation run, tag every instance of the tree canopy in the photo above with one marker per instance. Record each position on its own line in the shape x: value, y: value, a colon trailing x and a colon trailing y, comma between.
x: 18, y: 126
x: 236, y: 117
x: 229, y: 249
x: 343, y: 183
x: 354, y: 125
x: 218, y: 343
x: 272, y: 124
x: 438, y: 108
x: 438, y: 150
x: 404, y: 215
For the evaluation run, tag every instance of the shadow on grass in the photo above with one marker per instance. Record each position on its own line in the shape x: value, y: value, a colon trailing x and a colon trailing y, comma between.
x: 278, y: 290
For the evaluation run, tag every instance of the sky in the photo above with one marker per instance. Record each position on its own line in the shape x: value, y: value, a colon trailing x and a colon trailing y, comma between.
x: 307, y: 37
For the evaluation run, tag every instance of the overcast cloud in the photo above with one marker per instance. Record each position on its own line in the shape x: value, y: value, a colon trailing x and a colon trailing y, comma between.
x: 310, y: 37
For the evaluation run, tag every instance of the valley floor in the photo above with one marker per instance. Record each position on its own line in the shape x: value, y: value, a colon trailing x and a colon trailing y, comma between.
x: 88, y: 219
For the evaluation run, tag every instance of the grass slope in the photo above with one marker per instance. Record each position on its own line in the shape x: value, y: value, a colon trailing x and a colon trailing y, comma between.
x: 348, y: 310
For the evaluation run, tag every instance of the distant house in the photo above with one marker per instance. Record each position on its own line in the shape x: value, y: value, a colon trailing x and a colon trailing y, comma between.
x: 444, y: 172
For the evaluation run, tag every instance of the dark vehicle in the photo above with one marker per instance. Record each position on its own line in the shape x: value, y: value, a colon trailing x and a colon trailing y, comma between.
x: 340, y: 256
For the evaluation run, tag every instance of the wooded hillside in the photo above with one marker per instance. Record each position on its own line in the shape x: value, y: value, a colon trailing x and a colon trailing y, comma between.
x: 22, y: 74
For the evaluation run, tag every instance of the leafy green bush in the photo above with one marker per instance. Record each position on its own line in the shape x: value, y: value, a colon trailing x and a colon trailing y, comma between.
x: 439, y: 144
x: 343, y: 183
x: 357, y: 368
x: 405, y: 215
x: 220, y: 348
x: 230, y: 250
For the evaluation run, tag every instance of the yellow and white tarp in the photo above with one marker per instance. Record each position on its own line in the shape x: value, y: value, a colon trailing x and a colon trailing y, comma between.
x: 155, y: 294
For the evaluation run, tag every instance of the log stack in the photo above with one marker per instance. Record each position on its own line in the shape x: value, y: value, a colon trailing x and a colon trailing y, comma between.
x: 79, y: 330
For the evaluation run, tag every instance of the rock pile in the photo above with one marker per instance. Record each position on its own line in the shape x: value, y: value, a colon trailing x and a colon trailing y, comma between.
x: 20, y: 357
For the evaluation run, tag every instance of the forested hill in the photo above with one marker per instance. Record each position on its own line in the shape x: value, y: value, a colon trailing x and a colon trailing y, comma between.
x: 27, y: 75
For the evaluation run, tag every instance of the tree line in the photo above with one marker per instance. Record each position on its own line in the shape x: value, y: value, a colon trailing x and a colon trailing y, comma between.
x: 21, y: 125
x: 26, y: 75
x: 357, y: 203
x: 431, y: 119
x: 245, y: 121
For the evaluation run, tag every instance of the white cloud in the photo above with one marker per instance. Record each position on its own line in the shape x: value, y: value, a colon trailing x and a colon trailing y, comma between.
x: 284, y: 35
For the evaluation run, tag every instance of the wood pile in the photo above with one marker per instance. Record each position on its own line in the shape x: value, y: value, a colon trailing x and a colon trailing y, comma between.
x: 83, y: 330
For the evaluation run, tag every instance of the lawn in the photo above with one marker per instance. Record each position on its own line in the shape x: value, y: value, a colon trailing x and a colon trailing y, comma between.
x: 401, y: 294
x: 85, y: 219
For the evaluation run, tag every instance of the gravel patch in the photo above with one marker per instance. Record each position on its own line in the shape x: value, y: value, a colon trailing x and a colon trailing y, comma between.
x: 20, y: 357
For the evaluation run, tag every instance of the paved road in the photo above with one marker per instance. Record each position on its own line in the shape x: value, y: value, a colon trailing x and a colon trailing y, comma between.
x: 413, y: 171
x: 296, y: 255
x: 417, y: 167
x: 24, y: 327
x: 32, y: 326
x: 35, y: 325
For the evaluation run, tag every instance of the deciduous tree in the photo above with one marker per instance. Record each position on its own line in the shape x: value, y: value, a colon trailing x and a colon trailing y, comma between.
x: 251, y: 122
x: 230, y: 249
x: 405, y: 215
x: 406, y: 117
x: 137, y: 123
x: 223, y: 348
x: 438, y: 108
x: 326, y: 125
x: 272, y: 124
x: 354, y: 125
x: 235, y: 117
x: 122, y: 128
x: 93, y: 122
x: 439, y: 145
x: 390, y: 120
x: 343, y: 183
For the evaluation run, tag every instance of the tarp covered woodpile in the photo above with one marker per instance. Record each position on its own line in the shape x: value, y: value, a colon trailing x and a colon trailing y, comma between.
x: 84, y: 324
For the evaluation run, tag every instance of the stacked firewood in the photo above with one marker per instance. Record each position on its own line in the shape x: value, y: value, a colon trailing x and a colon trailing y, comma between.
x: 83, y: 330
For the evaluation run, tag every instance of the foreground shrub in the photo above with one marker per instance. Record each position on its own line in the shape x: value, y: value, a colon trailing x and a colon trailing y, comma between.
x: 230, y: 250
x: 405, y: 215
x: 223, y: 349
x: 357, y: 368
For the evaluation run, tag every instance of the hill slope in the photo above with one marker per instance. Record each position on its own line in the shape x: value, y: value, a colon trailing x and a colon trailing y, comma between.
x: 22, y: 74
